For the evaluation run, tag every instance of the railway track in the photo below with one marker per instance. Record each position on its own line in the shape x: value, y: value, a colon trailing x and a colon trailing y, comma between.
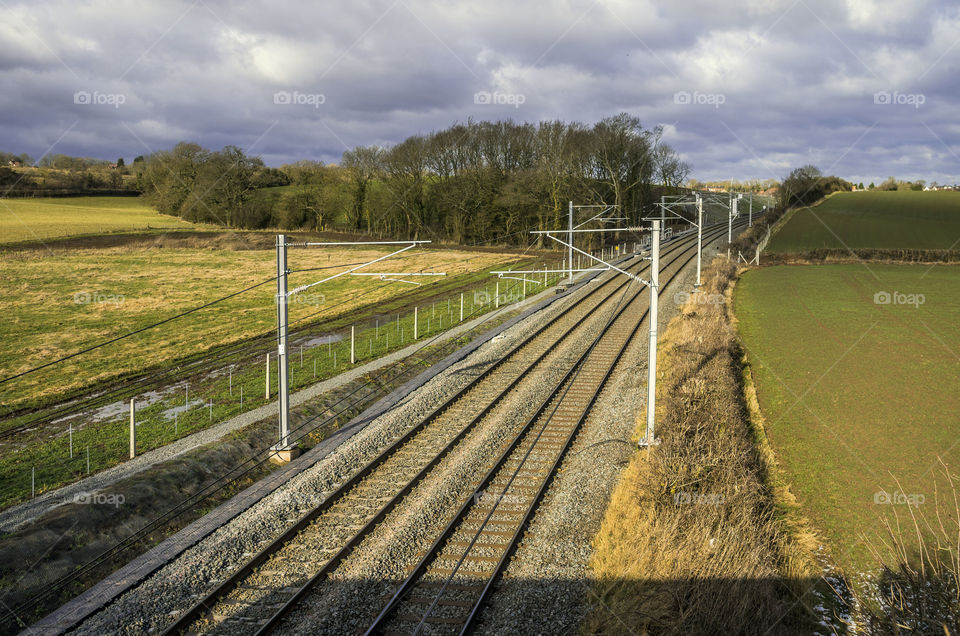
x: 446, y: 589
x: 259, y: 594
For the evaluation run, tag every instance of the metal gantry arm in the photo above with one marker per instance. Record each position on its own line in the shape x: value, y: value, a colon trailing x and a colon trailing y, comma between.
x: 598, y: 217
x: 501, y: 272
x: 284, y: 451
x: 523, y: 279
x: 388, y: 276
x: 594, y: 258
x: 653, y: 284
x: 410, y: 246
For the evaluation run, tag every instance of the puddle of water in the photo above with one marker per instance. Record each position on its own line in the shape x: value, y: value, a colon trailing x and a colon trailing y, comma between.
x: 116, y: 409
x: 171, y: 412
x: 321, y: 340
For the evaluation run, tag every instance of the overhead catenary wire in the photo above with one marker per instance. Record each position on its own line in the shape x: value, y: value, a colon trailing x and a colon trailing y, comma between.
x: 134, y: 332
x: 251, y: 462
x: 252, y: 342
x: 253, y: 459
x: 230, y: 349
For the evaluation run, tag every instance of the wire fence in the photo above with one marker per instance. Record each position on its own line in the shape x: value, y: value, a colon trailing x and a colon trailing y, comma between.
x: 88, y: 436
x: 92, y: 437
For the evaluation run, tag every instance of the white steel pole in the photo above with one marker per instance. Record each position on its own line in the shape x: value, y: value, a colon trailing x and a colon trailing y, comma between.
x: 733, y: 206
x: 699, y: 236
x: 284, y: 395
x: 496, y: 298
x: 461, y: 307
x: 652, y: 351
x: 570, y: 243
x: 416, y: 318
x: 353, y: 338
x: 133, y: 429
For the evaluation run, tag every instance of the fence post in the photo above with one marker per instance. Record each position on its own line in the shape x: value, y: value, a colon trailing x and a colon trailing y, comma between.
x: 353, y: 356
x: 416, y: 317
x: 496, y: 298
x: 461, y: 306
x: 267, y: 394
x: 133, y: 429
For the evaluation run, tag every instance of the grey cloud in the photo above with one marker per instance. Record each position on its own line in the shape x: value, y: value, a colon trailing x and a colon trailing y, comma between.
x: 797, y: 79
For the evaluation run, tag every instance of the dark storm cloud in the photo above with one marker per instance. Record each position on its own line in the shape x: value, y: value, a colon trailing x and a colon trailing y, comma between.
x: 862, y: 88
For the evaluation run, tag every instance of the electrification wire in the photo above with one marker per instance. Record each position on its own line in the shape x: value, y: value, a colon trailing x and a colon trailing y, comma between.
x: 250, y: 343
x: 212, y: 488
x: 133, y: 333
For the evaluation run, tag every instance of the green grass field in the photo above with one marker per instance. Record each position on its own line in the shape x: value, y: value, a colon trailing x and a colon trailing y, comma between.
x: 855, y: 393
x: 38, y: 219
x: 880, y: 220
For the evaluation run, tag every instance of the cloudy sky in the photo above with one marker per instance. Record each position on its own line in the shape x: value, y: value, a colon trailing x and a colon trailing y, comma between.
x: 861, y: 88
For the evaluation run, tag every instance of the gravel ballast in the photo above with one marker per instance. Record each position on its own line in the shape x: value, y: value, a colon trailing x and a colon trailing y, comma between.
x: 544, y: 585
x: 178, y: 585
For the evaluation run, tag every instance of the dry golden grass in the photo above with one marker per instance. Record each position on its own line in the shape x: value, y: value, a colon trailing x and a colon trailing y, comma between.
x: 692, y: 541
x: 36, y: 219
x: 918, y: 550
x: 59, y: 303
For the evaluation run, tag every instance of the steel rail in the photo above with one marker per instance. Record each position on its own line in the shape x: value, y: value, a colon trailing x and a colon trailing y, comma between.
x: 197, y: 611
x: 562, y: 386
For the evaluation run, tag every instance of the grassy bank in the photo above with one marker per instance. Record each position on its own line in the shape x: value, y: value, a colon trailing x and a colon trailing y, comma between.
x: 692, y: 541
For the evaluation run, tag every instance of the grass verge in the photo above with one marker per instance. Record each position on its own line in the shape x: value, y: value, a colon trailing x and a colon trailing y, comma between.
x: 693, y: 541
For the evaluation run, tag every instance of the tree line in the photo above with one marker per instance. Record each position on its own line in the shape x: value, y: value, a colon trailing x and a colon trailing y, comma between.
x: 473, y: 182
x: 806, y: 185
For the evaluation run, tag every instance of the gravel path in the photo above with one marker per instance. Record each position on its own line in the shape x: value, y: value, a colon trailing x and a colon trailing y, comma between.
x: 16, y: 516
